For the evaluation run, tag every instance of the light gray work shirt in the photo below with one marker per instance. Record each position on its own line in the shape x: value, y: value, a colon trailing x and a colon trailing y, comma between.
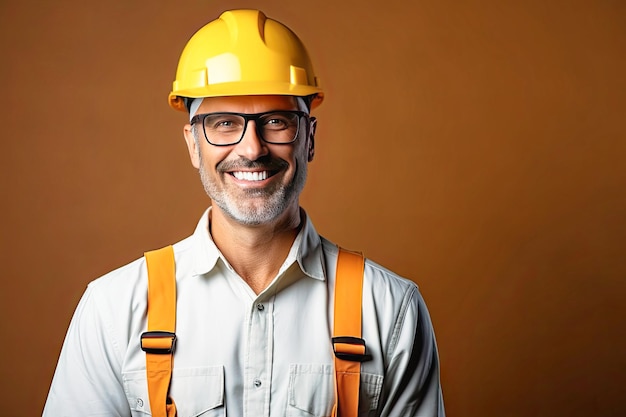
x: 239, y: 354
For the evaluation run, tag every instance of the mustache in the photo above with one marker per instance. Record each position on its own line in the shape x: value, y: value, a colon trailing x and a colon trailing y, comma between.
x: 265, y: 163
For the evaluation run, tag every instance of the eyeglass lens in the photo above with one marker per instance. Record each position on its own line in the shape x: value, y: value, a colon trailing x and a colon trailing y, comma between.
x: 274, y: 127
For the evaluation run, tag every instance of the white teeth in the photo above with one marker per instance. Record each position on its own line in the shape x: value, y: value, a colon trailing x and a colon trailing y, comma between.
x: 250, y: 176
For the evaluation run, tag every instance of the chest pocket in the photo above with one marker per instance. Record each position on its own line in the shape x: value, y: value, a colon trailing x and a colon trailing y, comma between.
x: 312, y: 391
x: 196, y: 391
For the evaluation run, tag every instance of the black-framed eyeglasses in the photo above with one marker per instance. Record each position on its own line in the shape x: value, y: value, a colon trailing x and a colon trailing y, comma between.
x: 225, y: 128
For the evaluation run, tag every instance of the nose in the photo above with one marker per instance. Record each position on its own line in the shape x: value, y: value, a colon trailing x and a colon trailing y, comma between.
x: 251, y: 145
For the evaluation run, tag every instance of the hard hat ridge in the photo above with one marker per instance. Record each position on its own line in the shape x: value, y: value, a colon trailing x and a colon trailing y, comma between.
x: 245, y: 18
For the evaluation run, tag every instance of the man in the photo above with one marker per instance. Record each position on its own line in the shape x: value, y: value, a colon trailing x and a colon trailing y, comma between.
x: 255, y: 283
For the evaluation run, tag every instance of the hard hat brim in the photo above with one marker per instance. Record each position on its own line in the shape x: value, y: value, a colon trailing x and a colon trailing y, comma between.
x: 245, y: 89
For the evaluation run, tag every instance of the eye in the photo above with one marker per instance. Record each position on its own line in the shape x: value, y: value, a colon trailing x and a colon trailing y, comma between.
x: 279, y: 121
x: 223, y: 122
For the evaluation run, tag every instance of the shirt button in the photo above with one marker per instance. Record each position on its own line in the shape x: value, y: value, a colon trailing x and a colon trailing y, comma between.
x: 260, y: 307
x: 257, y: 383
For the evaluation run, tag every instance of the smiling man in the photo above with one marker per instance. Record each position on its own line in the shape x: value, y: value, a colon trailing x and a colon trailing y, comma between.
x: 254, y: 322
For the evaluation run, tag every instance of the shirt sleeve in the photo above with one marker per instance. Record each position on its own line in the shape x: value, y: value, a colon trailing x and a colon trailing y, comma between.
x: 87, y: 379
x: 412, y: 384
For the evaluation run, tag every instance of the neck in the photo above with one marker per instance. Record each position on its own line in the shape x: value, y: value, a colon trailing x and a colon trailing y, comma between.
x: 256, y: 253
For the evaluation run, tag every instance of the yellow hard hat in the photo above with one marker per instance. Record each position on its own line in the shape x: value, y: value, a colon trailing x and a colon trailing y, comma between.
x: 244, y: 53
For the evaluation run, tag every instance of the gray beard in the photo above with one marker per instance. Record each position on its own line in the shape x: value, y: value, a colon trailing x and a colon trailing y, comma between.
x: 273, y: 205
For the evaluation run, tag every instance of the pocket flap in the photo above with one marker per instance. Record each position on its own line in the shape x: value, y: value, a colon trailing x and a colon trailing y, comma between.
x: 194, y: 390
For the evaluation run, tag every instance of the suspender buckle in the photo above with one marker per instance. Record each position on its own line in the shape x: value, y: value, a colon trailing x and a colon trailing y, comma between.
x: 161, y: 343
x: 350, y: 349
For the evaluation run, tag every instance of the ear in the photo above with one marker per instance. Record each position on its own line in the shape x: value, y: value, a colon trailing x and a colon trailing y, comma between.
x: 311, y: 141
x: 192, y: 146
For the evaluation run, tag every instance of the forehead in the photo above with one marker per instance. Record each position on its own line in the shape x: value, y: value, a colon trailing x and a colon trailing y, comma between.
x: 248, y: 104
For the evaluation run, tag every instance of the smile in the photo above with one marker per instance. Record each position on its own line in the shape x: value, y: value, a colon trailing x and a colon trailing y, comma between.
x: 251, y: 176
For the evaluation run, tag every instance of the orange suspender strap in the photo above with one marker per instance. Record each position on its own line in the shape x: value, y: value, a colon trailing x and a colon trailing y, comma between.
x: 348, y: 345
x: 159, y: 341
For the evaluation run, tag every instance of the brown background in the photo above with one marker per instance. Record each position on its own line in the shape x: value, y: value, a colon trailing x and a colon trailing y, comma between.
x: 476, y: 147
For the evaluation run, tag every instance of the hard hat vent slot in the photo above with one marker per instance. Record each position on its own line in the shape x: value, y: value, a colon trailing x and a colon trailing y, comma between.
x: 297, y: 75
x: 261, y: 23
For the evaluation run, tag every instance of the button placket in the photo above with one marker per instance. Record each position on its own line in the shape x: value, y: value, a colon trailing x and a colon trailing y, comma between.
x: 259, y: 364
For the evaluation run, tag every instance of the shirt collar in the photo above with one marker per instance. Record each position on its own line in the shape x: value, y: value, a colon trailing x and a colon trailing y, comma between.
x: 306, y: 248
x: 205, y: 252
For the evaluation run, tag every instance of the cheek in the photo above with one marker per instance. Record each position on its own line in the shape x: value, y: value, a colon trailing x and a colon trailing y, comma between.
x: 294, y: 159
x: 211, y: 156
x: 304, y: 154
x: 300, y: 151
